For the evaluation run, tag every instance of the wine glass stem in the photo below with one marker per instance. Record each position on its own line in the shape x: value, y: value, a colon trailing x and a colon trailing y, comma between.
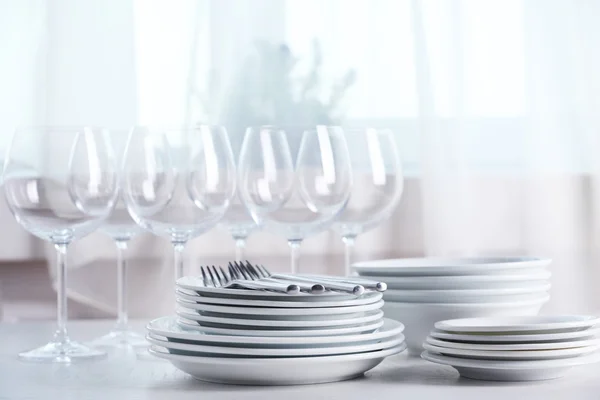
x: 178, y: 258
x: 61, y: 293
x: 122, y: 318
x: 348, y: 249
x: 240, y: 247
x: 295, y: 253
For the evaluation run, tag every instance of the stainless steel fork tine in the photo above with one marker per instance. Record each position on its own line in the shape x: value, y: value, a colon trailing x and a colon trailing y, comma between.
x: 250, y: 275
x: 239, y: 268
x: 263, y: 271
x: 252, y: 270
x: 204, y: 277
x: 215, y: 282
x: 224, y: 274
x: 233, y: 272
x: 216, y: 274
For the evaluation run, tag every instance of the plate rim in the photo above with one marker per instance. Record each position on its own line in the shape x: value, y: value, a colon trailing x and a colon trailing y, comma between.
x: 281, y: 360
x: 513, y: 355
x: 546, y: 337
x: 509, y: 365
x: 587, y: 322
x: 518, y: 347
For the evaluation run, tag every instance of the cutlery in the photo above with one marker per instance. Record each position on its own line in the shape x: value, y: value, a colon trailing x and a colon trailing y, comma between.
x: 214, y: 277
x: 247, y: 272
x: 351, y: 288
x: 368, y: 284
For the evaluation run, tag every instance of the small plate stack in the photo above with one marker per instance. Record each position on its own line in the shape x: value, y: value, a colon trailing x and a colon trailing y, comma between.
x: 422, y: 291
x: 266, y: 338
x: 514, y: 349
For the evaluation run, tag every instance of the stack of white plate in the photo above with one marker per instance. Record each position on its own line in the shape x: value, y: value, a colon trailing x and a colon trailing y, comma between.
x: 422, y: 291
x: 514, y: 349
x: 266, y: 338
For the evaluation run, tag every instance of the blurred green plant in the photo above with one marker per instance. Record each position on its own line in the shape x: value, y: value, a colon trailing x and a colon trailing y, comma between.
x: 270, y: 90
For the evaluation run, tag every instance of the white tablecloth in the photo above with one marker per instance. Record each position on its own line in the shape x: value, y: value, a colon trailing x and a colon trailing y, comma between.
x: 125, y: 376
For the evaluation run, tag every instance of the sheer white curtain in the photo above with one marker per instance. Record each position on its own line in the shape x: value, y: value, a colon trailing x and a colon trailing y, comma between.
x: 493, y: 103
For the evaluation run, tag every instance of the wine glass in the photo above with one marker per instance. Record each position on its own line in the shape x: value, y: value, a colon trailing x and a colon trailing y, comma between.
x: 178, y: 183
x: 121, y: 228
x: 377, y: 189
x: 60, y: 184
x: 299, y: 201
x: 239, y: 223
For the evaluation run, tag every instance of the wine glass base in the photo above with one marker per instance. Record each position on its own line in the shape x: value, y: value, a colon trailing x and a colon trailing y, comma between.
x: 62, y: 352
x: 124, y: 338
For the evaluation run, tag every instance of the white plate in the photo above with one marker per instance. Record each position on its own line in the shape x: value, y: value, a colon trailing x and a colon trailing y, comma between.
x: 367, y: 298
x: 450, y: 266
x: 514, y: 346
x: 168, y: 327
x: 242, y: 323
x: 510, y: 370
x: 467, y: 296
x: 196, y: 284
x: 526, y: 338
x: 283, y: 313
x: 502, y: 325
x: 389, y: 336
x: 419, y: 318
x: 363, y: 328
x: 532, y: 355
x: 465, y: 282
x: 278, y: 371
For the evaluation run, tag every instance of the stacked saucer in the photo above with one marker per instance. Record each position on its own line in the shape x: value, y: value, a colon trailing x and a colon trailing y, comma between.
x: 514, y: 348
x: 267, y: 338
x: 422, y: 291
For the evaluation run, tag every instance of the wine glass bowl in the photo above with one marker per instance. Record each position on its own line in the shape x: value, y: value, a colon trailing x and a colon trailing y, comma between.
x: 377, y: 188
x: 178, y: 183
x: 60, y: 183
x: 294, y: 201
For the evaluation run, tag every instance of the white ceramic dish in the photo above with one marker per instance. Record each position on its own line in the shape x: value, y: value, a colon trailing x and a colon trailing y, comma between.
x: 510, y: 370
x: 502, y: 325
x: 196, y: 284
x: 364, y: 328
x: 419, y: 318
x: 465, y: 282
x: 450, y: 266
x: 368, y: 298
x: 526, y: 338
x: 531, y: 355
x: 168, y: 327
x: 245, y: 323
x: 513, y: 346
x: 392, y: 337
x: 467, y: 296
x: 277, y: 371
x: 279, y: 313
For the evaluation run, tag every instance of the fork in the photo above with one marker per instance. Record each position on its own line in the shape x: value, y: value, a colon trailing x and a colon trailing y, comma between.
x: 330, y: 284
x: 247, y: 272
x: 218, y: 278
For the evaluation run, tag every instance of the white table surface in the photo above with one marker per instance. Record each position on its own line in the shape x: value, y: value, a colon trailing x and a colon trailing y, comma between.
x: 125, y: 376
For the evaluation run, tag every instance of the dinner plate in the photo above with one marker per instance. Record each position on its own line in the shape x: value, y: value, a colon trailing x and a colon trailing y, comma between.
x: 465, y: 282
x: 450, y: 266
x: 168, y: 327
x: 244, y: 323
x: 196, y: 284
x: 468, y: 295
x: 283, y: 313
x: 514, y: 346
x: 363, y: 328
x: 532, y: 355
x: 525, y: 338
x: 531, y: 324
x: 391, y: 332
x: 510, y: 370
x: 277, y: 371
x: 367, y: 298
